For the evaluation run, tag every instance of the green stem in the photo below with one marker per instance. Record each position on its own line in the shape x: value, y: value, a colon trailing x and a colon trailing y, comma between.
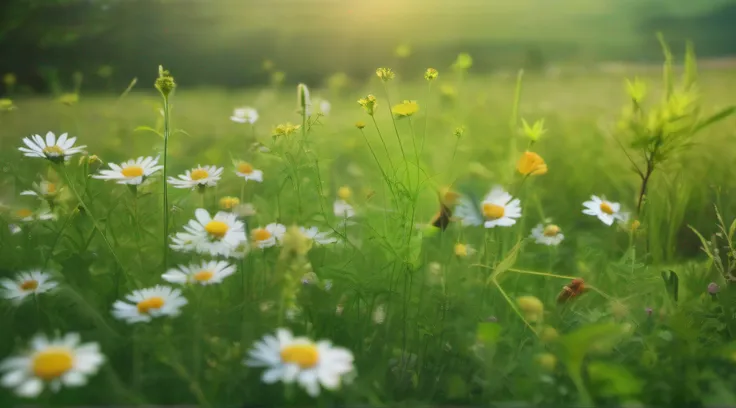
x: 167, y: 131
x: 393, y: 120
x: 380, y: 135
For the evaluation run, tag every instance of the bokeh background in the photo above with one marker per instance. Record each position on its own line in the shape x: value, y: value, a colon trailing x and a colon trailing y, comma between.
x: 224, y: 42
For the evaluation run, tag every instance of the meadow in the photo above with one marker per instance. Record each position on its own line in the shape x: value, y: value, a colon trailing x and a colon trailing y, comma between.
x: 625, y: 300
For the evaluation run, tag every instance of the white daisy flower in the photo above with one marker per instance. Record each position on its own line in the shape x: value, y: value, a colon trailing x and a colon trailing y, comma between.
x: 244, y: 115
x: 131, y: 172
x: 498, y: 208
x: 311, y: 365
x: 342, y: 209
x: 205, y: 273
x: 50, y: 148
x: 315, y: 235
x: 269, y: 236
x: 14, y: 229
x: 26, y: 283
x: 549, y: 234
x: 246, y: 171
x: 145, y: 304
x: 464, y: 250
x: 221, y: 235
x: 26, y: 215
x: 325, y: 107
x: 53, y: 363
x: 605, y: 210
x: 44, y: 190
x: 201, y: 176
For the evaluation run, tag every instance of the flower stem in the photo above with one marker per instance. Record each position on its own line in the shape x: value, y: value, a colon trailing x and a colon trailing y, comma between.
x: 167, y: 131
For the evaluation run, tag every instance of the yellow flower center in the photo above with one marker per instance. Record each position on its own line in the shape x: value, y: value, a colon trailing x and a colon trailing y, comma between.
x: 203, y: 276
x: 50, y: 188
x: 261, y: 234
x: 132, y: 171
x: 551, y: 230
x: 344, y: 192
x: 606, y: 208
x: 303, y: 355
x: 53, y: 150
x: 145, y: 305
x: 493, y: 211
x: 52, y: 363
x: 227, y: 203
x: 29, y: 285
x: 199, y: 174
x: 217, y: 229
x: 461, y: 250
x: 245, y: 168
x: 23, y: 213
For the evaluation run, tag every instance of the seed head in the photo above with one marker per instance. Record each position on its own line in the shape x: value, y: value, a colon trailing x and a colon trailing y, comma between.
x: 548, y: 335
x: 531, y: 307
x: 165, y: 82
x: 431, y: 74
x: 304, y: 102
x: 459, y: 131
x: 369, y: 103
x: 360, y: 125
x: 386, y: 74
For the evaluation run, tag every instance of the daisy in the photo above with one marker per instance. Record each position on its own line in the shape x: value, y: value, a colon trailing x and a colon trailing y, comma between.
x: 311, y: 365
x: 342, y: 209
x: 44, y: 190
x: 269, y: 236
x: 202, y: 176
x: 549, y: 234
x: 27, y: 215
x: 605, y: 210
x: 14, y: 229
x: 315, y: 235
x: 52, y: 362
x: 220, y: 235
x: 246, y: 171
x: 145, y: 304
x: 498, y: 208
x: 205, y: 273
x: 50, y: 148
x: 464, y: 250
x: 26, y: 283
x: 245, y: 115
x: 131, y: 172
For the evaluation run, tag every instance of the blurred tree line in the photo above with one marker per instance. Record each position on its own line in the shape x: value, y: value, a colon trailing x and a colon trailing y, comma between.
x: 43, y: 42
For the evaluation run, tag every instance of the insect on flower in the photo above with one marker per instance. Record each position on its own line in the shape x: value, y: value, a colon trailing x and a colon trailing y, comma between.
x: 571, y: 290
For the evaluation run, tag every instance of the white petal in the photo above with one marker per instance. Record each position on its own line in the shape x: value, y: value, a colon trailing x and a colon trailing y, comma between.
x: 13, y: 378
x: 272, y: 375
x: 30, y: 388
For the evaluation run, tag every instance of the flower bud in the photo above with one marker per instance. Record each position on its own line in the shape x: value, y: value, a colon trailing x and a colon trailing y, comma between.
x: 165, y: 82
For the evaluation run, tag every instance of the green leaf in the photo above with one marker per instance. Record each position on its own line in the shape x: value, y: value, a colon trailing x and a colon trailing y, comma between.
x: 488, y: 332
x: 716, y: 117
x: 690, y: 77
x: 149, y: 129
x: 732, y: 229
x: 667, y: 68
x: 705, y: 246
x: 613, y: 380
x: 415, y: 250
x: 506, y: 263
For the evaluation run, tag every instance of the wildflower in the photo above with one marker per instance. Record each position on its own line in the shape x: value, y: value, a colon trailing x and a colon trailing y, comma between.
x: 402, y: 51
x: 53, y: 363
x: 24, y: 284
x: 69, y: 99
x: 459, y: 131
x: 547, y: 361
x: 342, y: 209
x: 606, y: 211
x: 405, y: 109
x: 303, y: 100
x: 713, y: 288
x: 431, y: 74
x: 165, y: 82
x: 548, y: 335
x: 244, y: 115
x: 14, y: 229
x: 245, y: 210
x: 269, y: 236
x: 531, y: 164
x: 464, y: 250
x: 498, y: 208
x: 649, y: 311
x: 26, y: 215
x: 246, y: 171
x: 205, y: 273
x: 220, y: 235
x: 145, y: 304
x: 228, y: 203
x: 200, y: 176
x: 635, y: 225
x: 386, y: 74
x: 285, y: 129
x: 131, y: 172
x: 51, y: 148
x: 344, y: 193
x: 369, y: 103
x: 299, y: 359
x: 531, y: 307
x: 315, y: 235
x: 549, y: 234
x: 7, y: 105
x: 360, y: 125
x: 46, y: 190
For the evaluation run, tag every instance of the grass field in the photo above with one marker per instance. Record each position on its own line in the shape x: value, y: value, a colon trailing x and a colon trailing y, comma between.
x: 468, y: 315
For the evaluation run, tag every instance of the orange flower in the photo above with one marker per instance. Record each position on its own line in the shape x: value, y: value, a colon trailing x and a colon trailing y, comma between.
x: 531, y: 164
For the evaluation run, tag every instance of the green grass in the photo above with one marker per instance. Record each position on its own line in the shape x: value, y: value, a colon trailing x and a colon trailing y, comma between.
x: 438, y: 307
